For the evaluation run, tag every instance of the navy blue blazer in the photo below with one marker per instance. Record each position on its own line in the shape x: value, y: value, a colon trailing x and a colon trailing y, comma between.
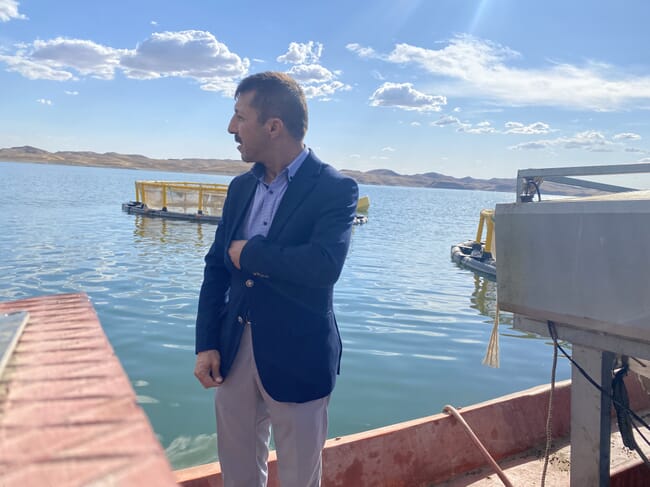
x: 285, y: 284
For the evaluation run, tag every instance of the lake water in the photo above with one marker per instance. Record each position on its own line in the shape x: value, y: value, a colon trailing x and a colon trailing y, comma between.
x: 415, y: 327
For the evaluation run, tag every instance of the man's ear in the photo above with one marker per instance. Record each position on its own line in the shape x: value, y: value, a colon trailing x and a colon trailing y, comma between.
x: 275, y: 126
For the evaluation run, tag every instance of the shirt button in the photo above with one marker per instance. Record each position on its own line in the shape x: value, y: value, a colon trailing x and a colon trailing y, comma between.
x: 249, y: 283
x: 240, y: 319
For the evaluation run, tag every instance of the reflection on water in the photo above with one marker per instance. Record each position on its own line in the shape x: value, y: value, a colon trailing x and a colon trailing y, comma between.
x: 484, y: 300
x: 172, y: 231
x: 484, y: 297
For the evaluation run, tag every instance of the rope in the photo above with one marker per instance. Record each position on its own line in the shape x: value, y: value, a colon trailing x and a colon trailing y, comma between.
x: 549, y: 418
x: 491, y: 358
x: 486, y: 454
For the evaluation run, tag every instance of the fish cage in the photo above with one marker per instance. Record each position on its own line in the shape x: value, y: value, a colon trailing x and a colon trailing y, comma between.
x: 182, y: 197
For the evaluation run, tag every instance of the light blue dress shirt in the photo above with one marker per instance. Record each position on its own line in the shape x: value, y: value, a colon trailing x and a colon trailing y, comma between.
x: 268, y: 197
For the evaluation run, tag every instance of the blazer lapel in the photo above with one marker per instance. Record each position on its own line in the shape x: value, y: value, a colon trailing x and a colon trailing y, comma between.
x: 298, y: 189
x: 241, y: 204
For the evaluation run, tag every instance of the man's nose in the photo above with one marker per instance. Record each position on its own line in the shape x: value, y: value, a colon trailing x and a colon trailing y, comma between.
x: 231, y: 126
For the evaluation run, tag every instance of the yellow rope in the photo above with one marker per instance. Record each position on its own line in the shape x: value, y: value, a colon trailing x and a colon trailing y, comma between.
x: 491, y: 358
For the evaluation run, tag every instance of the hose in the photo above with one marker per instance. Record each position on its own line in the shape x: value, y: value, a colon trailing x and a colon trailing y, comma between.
x: 486, y: 454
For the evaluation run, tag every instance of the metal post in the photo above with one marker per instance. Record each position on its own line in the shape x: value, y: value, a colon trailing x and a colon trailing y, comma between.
x: 590, y: 418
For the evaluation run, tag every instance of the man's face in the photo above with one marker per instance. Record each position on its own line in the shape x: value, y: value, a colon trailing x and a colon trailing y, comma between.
x: 251, y: 135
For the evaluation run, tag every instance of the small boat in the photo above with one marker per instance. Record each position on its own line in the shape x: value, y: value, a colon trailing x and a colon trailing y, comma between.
x: 199, y: 202
x: 478, y: 255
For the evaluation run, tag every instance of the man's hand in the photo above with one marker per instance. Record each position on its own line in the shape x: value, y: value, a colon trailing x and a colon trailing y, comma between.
x: 234, y: 251
x: 207, y: 368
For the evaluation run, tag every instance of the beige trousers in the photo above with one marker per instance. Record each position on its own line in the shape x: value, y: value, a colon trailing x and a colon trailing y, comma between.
x: 245, y: 415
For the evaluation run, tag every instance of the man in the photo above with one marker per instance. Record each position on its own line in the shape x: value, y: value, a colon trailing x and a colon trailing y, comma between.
x: 266, y: 335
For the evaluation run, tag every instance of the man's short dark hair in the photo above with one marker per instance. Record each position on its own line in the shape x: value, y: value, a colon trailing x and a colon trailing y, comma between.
x: 277, y: 95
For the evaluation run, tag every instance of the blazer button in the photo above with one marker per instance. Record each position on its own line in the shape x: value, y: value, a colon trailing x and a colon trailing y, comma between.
x: 249, y: 283
x: 240, y: 320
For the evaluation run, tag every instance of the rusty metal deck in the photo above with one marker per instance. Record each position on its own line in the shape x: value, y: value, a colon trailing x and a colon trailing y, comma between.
x: 68, y: 413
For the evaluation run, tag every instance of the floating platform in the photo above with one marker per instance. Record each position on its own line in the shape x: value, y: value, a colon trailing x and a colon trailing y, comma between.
x: 137, y: 208
x: 479, y: 255
x: 472, y: 255
x: 197, y: 202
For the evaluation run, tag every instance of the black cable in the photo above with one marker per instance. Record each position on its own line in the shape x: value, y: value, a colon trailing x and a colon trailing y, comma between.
x: 539, y: 196
x: 528, y: 195
x: 553, y: 333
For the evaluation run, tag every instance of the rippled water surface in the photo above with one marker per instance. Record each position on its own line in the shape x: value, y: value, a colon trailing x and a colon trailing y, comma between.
x: 415, y: 327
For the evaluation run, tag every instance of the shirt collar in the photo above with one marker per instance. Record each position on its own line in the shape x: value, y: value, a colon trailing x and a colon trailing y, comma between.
x: 289, y: 171
x: 292, y: 168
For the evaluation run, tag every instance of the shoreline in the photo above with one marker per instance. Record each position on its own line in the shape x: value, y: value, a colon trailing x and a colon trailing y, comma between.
x: 230, y: 167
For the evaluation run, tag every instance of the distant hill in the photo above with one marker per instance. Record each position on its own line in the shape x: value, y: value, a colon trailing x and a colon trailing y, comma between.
x: 126, y: 161
x: 231, y: 167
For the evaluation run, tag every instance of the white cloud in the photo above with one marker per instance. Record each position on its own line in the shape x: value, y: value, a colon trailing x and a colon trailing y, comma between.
x: 324, y: 91
x: 487, y: 69
x: 86, y: 57
x: 388, y: 149
x: 486, y: 127
x: 44, y: 101
x: 464, y: 56
x: 225, y: 86
x: 404, y: 96
x: 9, y: 10
x: 536, y: 128
x: 634, y: 150
x: 190, y: 54
x: 311, y: 73
x: 186, y: 54
x: 478, y: 129
x: 58, y: 60
x: 72, y: 93
x: 153, y: 22
x: 590, y: 140
x: 415, y: 124
x: 35, y: 70
x: 446, y: 120
x: 627, y: 136
x: 363, y: 52
x: 301, y: 53
x: 645, y: 159
x: 316, y: 80
x: 542, y: 144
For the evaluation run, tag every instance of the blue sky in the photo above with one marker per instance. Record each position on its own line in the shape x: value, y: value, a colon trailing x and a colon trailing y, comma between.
x: 461, y: 87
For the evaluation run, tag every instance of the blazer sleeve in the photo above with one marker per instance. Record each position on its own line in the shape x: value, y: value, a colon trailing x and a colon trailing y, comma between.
x: 214, y: 290
x: 319, y: 261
